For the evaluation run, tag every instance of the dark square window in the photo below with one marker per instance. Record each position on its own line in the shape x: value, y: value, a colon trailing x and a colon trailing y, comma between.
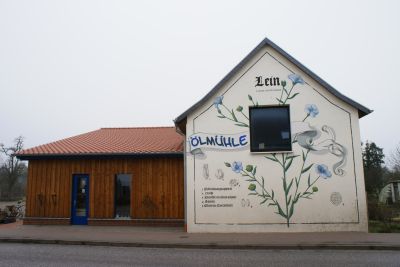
x: 270, y: 129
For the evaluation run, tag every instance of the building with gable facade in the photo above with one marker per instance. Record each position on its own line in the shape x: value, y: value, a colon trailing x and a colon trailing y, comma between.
x: 271, y: 148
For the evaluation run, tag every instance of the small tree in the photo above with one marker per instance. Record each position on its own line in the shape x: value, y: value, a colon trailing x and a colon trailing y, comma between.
x: 12, y: 168
x: 375, y: 179
x: 394, y: 160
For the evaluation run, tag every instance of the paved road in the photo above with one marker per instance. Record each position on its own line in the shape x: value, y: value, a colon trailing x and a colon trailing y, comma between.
x: 61, y: 255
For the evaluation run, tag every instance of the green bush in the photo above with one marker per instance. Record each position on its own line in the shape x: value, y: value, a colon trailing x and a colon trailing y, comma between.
x: 381, y: 227
x: 380, y: 212
x: 383, y: 218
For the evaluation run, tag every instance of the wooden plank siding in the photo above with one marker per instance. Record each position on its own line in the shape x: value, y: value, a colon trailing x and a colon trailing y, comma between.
x: 156, y: 191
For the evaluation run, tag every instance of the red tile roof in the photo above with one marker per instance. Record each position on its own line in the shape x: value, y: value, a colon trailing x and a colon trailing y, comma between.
x: 111, y: 141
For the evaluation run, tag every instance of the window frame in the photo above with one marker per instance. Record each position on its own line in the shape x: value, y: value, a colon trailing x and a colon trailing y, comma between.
x: 130, y: 195
x: 290, y: 130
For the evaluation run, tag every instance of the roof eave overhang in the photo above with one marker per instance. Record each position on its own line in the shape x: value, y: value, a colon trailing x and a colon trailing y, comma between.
x: 99, y: 155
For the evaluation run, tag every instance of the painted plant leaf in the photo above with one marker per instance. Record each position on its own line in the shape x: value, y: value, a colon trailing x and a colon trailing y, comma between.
x: 296, y: 198
x: 288, y: 164
x: 233, y: 115
x: 284, y: 89
x: 241, y: 125
x: 297, y: 181
x: 290, y: 198
x: 270, y: 158
x: 307, y: 168
x: 304, y: 155
x: 288, y: 188
x: 291, y: 209
x: 292, y: 156
x: 265, y: 200
x: 308, y: 180
x: 280, y: 211
x: 293, y: 96
x: 284, y: 184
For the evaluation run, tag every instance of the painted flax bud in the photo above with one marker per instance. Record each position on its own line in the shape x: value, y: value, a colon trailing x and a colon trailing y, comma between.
x: 218, y: 101
x: 239, y: 108
x: 252, y: 187
x: 315, y: 189
x: 250, y: 98
x: 227, y: 164
x: 283, y: 83
x: 249, y: 168
x: 295, y: 78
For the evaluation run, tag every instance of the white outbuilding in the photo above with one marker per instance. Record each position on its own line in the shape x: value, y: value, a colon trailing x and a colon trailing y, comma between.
x: 273, y: 148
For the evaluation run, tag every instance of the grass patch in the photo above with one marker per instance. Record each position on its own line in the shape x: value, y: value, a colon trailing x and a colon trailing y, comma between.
x: 382, y: 227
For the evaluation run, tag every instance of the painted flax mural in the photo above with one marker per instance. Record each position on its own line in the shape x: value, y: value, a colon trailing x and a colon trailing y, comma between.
x: 304, y: 184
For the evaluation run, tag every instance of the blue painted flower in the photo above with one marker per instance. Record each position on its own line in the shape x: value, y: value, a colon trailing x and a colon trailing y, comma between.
x: 323, y: 171
x: 218, y: 101
x: 237, y: 166
x: 295, y: 78
x: 311, y: 110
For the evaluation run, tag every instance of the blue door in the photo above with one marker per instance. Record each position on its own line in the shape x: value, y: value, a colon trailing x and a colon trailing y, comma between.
x: 80, y: 199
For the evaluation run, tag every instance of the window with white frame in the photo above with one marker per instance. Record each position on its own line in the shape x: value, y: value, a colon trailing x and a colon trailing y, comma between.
x: 270, y: 129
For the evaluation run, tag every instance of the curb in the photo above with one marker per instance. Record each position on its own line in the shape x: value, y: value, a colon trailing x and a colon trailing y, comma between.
x: 321, y: 246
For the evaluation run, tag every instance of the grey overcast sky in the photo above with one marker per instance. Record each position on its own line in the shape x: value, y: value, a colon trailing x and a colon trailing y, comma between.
x: 68, y: 67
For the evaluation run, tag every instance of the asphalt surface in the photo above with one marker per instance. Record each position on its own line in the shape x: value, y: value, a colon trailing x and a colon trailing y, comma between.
x: 67, y: 255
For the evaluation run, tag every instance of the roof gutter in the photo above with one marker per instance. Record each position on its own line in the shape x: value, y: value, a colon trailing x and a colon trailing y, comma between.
x: 99, y: 155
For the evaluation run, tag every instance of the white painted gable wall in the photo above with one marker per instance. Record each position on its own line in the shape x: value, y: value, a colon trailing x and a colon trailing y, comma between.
x: 340, y: 202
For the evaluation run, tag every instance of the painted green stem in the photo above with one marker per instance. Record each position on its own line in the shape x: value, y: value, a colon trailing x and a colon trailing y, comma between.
x: 234, y: 119
x: 245, y: 115
x: 283, y: 89
x: 254, y: 177
x: 288, y: 95
x: 285, y: 189
x: 300, y: 174
x: 265, y: 194
x: 230, y: 112
x: 306, y: 191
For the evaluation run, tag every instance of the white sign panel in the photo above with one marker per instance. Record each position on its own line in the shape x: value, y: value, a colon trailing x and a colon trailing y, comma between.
x: 218, y: 141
